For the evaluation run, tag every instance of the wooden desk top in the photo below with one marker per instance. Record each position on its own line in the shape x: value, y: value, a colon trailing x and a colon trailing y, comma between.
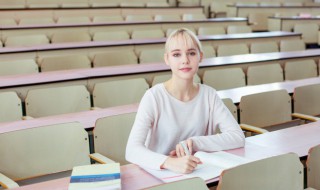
x: 274, y: 6
x: 295, y: 17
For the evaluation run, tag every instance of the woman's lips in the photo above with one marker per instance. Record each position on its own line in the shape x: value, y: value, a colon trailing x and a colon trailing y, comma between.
x: 185, y: 69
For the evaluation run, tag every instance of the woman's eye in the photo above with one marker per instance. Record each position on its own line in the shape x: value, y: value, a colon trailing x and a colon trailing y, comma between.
x: 176, y: 54
x: 192, y: 53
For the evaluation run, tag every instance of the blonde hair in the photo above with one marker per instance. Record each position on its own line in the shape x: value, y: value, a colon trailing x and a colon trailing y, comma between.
x: 187, y: 35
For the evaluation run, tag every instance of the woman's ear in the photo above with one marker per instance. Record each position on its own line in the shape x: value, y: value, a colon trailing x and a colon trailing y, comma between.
x: 201, y: 56
x: 165, y: 56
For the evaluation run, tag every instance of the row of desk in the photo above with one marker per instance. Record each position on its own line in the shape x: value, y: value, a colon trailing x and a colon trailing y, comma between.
x: 297, y: 139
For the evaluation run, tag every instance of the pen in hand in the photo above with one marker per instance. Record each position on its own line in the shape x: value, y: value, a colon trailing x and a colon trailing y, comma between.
x: 185, y: 148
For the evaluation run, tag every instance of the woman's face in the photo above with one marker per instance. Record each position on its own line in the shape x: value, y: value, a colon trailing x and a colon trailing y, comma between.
x: 183, y: 57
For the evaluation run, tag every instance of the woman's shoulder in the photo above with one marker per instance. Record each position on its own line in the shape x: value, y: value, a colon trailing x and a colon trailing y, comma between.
x: 207, y: 89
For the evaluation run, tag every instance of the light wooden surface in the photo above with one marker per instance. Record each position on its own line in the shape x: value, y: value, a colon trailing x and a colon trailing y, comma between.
x: 287, y: 23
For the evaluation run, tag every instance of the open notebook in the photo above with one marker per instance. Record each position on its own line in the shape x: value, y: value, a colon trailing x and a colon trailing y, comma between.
x: 212, y: 166
x: 95, y: 177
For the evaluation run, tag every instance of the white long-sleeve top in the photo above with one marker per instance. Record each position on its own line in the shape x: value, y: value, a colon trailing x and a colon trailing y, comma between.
x: 162, y: 121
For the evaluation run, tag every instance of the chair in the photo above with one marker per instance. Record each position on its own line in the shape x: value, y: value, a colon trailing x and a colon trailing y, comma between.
x: 164, y: 77
x: 216, y: 30
x: 42, y: 151
x: 18, y: 67
x: 119, y: 92
x: 70, y: 36
x: 151, y: 55
x: 147, y: 34
x: 138, y: 18
x: 26, y: 40
x: 66, y: 62
x: 221, y: 79
x: 295, y: 70
x: 57, y: 100
x: 190, y: 183
x: 246, y: 4
x: 289, y: 4
x: 74, y: 4
x: 208, y: 51
x: 157, y: 4
x: 12, y: 4
x: 132, y: 4
x: 188, y: 3
x: 189, y: 17
x: 277, y: 173
x: 232, y: 49
x: 74, y: 20
x: 264, y: 47
x: 8, y: 22
x: 36, y: 21
x: 306, y: 101
x: 218, y: 9
x: 232, y: 107
x: 114, y: 58
x: 313, y: 167
x: 107, y: 19
x: 263, y: 74
x: 111, y: 36
x: 104, y: 3
x: 168, y: 17
x: 11, y: 107
x: 42, y: 4
x: 292, y: 45
x: 110, y: 136
x: 309, y: 32
x: 270, y: 4
x: 238, y: 29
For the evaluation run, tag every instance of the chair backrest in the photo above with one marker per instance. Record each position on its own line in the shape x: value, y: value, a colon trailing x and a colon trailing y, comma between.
x: 70, y: 36
x: 278, y: 172
x: 190, y: 183
x: 43, y: 150
x: 157, y: 4
x: 66, y: 62
x: 221, y: 79
x: 17, y: 67
x: 8, y: 22
x: 188, y: 16
x: 42, y: 4
x: 306, y: 99
x: 111, y: 136
x: 294, y: 70
x: 107, y: 19
x: 208, y: 51
x: 169, y: 17
x: 232, y: 108
x: 111, y: 36
x: 214, y: 30
x: 103, y: 3
x: 264, y: 47
x: 238, y: 29
x: 57, y: 100
x: 138, y: 18
x: 313, y: 167
x: 147, y: 34
x: 132, y: 4
x: 18, y: 4
x: 292, y: 45
x: 232, y: 49
x: 309, y: 32
x: 151, y: 55
x: 266, y: 108
x: 74, y: 20
x: 120, y: 92
x: 113, y: 58
x: 27, y: 40
x: 263, y: 74
x: 270, y: 4
x: 11, y: 107
x: 36, y: 21
x: 164, y: 77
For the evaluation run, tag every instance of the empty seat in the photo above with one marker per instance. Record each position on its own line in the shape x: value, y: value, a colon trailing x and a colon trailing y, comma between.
x: 147, y: 34
x: 208, y: 51
x: 111, y: 135
x: 106, y: 19
x: 26, y: 40
x: 313, y: 167
x: 132, y: 4
x: 120, y: 92
x: 151, y: 55
x: 74, y: 4
x: 12, y: 4
x: 66, y: 62
x: 270, y: 4
x: 309, y: 32
x: 103, y: 3
x: 221, y: 79
x: 17, y: 67
x: 288, y: 4
x: 306, y: 100
x: 246, y: 4
x: 8, y: 22
x: 238, y: 29
x: 263, y: 74
x: 70, y: 36
x: 264, y: 47
x: 232, y: 107
x: 138, y: 18
x: 111, y: 36
x: 189, y: 17
x: 167, y: 17
x: 74, y: 20
x: 188, y: 3
x: 294, y: 70
x: 292, y: 45
x: 11, y: 107
x: 286, y: 173
x: 190, y: 183
x: 114, y: 58
x: 45, y: 150
x: 36, y: 21
x: 164, y: 77
x: 57, y: 100
x: 215, y: 30
x: 157, y: 4
x: 42, y: 4
x: 232, y: 49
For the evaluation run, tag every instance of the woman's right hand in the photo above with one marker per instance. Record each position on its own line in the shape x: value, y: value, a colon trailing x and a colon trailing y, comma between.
x: 185, y: 164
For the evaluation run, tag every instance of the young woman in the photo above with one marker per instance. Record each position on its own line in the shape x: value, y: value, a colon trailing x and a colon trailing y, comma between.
x: 180, y: 111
